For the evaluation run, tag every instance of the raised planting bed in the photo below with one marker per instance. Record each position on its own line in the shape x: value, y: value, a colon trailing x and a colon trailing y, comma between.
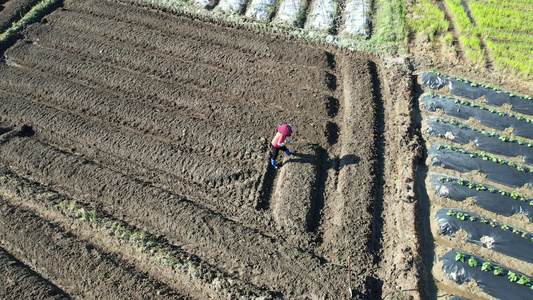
x: 496, y: 280
x: 491, y: 234
x: 490, y: 141
x: 497, y: 170
x: 463, y: 109
x: 500, y: 201
x: 473, y: 90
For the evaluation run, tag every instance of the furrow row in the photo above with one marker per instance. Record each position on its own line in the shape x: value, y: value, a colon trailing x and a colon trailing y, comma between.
x: 258, y: 259
x: 192, y: 50
x: 184, y: 132
x: 257, y: 44
x: 88, y: 136
x: 76, y: 266
x: 19, y: 279
x: 234, y: 85
x: 181, y: 99
x: 178, y: 269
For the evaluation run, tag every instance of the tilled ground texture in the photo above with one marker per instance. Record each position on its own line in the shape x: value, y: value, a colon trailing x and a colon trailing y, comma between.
x: 134, y: 153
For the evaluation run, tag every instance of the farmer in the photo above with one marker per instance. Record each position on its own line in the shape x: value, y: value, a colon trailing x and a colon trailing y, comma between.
x: 278, y: 142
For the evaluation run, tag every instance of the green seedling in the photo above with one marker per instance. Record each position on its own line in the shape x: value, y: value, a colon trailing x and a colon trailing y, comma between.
x: 512, y: 276
x: 484, y: 221
x: 524, y: 280
x: 505, y: 227
x: 487, y: 266
x: 441, y: 179
x: 451, y: 213
x: 473, y: 219
x: 492, y: 190
x: 460, y: 256
x: 498, y: 271
x: 480, y: 187
x: 472, y: 262
x: 461, y: 216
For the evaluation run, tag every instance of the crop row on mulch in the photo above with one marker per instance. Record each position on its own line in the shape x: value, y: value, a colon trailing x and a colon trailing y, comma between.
x: 477, y: 184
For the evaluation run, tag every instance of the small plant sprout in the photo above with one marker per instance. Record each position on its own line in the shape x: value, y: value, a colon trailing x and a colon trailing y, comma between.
x: 515, y: 195
x: 461, y: 182
x: 524, y: 280
x: 512, y: 276
x: 449, y: 179
x: 483, y: 221
x: 460, y: 256
x: 451, y: 213
x: 505, y: 227
x: 486, y: 266
x: 502, y: 192
x: 480, y: 187
x: 441, y: 179
x: 472, y: 262
x: 473, y: 219
x: 471, y: 185
x: 461, y: 216
x: 498, y: 271
x: 492, y: 190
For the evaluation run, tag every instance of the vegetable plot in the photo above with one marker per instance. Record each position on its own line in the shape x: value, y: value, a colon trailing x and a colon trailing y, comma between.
x: 493, y: 278
x: 484, y: 155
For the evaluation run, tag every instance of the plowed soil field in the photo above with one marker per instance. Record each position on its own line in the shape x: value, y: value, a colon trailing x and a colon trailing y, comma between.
x: 134, y: 151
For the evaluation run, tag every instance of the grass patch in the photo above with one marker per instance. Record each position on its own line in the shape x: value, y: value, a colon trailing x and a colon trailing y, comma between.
x: 35, y: 14
x: 428, y: 19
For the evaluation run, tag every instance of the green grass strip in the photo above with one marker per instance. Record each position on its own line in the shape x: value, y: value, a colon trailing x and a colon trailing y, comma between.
x: 432, y: 20
x: 37, y: 12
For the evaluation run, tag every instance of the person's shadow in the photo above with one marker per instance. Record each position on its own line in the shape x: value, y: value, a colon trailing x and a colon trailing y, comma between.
x: 333, y: 163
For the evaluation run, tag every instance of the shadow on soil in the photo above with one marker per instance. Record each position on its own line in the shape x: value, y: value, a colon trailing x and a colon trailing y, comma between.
x: 423, y: 210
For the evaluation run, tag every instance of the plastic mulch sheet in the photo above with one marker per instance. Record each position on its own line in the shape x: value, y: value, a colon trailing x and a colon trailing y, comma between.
x: 462, y: 162
x: 231, y: 6
x: 497, y: 286
x: 288, y: 11
x: 492, y: 144
x: 487, y: 197
x: 485, y: 117
x: 260, y: 9
x: 356, y: 17
x: 490, y: 234
x: 466, y: 90
x: 321, y: 15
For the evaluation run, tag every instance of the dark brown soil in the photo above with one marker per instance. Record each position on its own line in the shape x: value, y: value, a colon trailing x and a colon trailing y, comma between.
x: 163, y: 122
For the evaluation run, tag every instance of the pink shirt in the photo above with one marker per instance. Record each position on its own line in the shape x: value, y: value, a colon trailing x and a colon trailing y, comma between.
x: 278, y: 139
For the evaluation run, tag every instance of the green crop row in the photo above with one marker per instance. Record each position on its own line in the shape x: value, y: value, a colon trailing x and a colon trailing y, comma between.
x: 493, y: 133
x: 466, y: 217
x: 481, y: 187
x: 506, y: 28
x: 468, y: 37
x: 32, y: 16
x: 484, y: 156
x: 432, y: 20
x: 501, y: 17
x: 496, y: 270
